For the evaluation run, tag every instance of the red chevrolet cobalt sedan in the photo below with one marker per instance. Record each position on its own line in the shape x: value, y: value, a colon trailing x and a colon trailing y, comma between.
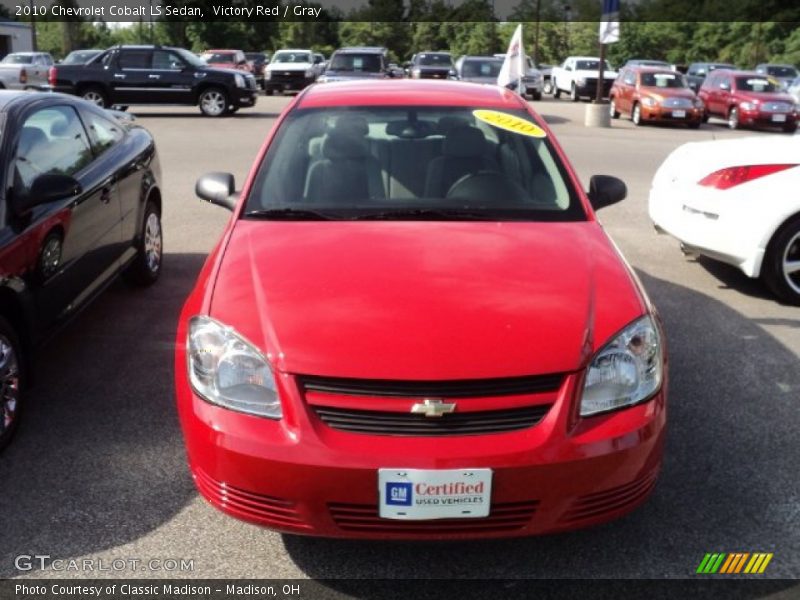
x: 415, y: 327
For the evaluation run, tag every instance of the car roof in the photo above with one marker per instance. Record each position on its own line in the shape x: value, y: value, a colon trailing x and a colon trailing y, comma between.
x: 293, y: 50
x: 8, y: 98
x: 407, y: 92
x: 650, y: 69
x: 363, y: 49
x: 222, y: 51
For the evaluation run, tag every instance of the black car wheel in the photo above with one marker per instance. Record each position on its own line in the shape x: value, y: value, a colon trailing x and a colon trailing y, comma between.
x: 781, y: 270
x: 269, y: 91
x: 11, y: 382
x: 636, y: 115
x: 96, y: 96
x: 573, y: 93
x: 548, y: 87
x: 556, y: 90
x: 146, y: 267
x: 213, y: 102
x: 612, y: 109
x: 733, y: 118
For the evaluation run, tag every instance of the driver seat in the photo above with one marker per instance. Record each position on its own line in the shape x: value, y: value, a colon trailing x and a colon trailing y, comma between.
x: 464, y: 152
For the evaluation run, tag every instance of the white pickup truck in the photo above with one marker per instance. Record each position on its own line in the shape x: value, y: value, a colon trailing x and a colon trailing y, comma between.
x: 25, y: 70
x: 577, y: 76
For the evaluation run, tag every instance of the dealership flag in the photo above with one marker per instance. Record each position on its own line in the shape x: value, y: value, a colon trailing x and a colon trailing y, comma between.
x: 514, y: 65
x: 609, y: 24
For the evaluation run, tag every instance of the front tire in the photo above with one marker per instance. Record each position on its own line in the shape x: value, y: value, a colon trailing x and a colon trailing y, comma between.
x: 733, y: 118
x: 146, y: 267
x: 781, y: 270
x: 556, y: 91
x: 612, y: 109
x: 12, y: 383
x: 96, y: 95
x: 213, y: 102
x: 548, y: 87
x: 636, y: 115
x: 269, y: 91
x: 573, y: 93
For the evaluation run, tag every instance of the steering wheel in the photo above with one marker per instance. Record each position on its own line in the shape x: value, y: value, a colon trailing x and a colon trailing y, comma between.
x: 487, y: 185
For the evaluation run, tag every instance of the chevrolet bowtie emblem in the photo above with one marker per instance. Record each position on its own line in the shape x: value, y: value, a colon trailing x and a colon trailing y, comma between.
x: 433, y: 408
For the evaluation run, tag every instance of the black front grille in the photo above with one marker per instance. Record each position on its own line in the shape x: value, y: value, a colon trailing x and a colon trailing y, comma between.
x: 409, y: 424
x: 461, y: 388
x: 287, y: 76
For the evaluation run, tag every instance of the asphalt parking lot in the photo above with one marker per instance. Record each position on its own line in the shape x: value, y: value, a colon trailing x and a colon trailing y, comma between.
x: 98, y: 468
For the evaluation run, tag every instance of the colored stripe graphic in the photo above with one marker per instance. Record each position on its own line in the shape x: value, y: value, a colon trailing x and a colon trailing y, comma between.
x: 734, y: 563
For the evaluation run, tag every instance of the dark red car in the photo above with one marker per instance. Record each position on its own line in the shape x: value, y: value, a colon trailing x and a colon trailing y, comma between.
x: 414, y: 326
x: 747, y: 98
x: 650, y: 94
x: 227, y: 59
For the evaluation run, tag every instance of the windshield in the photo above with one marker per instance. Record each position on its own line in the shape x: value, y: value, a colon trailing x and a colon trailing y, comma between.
x: 190, y: 58
x: 434, y: 60
x: 218, y: 57
x: 80, y: 57
x: 591, y: 65
x: 292, y: 57
x: 663, y: 80
x: 481, y: 68
x: 405, y: 163
x: 370, y: 63
x: 755, y: 84
x: 18, y: 59
x: 782, y: 71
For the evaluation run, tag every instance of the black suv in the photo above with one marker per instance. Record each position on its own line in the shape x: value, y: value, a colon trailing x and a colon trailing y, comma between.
x: 126, y: 75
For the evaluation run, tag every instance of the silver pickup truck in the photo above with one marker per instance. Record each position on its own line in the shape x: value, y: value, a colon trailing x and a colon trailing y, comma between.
x: 25, y: 70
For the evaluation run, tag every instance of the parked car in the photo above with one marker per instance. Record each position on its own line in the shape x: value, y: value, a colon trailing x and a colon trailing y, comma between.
x: 747, y: 98
x: 80, y: 57
x: 126, y: 75
x: 786, y: 74
x: 359, y: 62
x: 697, y: 72
x: 320, y: 62
x: 291, y: 70
x: 25, y: 71
x: 258, y: 61
x: 532, y: 79
x: 735, y: 201
x: 74, y: 214
x: 332, y: 379
x: 227, y: 59
x: 431, y: 65
x: 650, y: 95
x: 479, y: 69
x: 578, y: 75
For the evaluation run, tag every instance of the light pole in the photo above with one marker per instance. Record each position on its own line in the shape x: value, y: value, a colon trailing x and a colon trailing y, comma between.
x: 33, y: 26
x: 567, y: 18
x: 151, y: 21
x: 536, y: 35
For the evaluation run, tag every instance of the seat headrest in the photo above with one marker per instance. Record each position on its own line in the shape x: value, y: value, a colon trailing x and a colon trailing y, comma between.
x: 354, y: 124
x: 339, y: 144
x: 59, y: 128
x: 464, y: 142
x: 30, y: 137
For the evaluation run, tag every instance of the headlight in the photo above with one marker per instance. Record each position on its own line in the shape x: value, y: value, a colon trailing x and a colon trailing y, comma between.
x: 748, y: 106
x: 239, y: 80
x: 626, y: 371
x: 452, y: 74
x: 267, y: 74
x: 698, y: 103
x: 415, y: 73
x: 322, y: 79
x: 648, y: 101
x: 309, y: 73
x: 580, y: 82
x: 228, y: 371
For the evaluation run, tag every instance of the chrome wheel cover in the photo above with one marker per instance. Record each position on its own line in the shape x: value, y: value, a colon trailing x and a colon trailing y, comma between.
x: 213, y: 103
x: 9, y: 384
x: 790, y: 263
x: 95, y: 98
x: 152, y: 242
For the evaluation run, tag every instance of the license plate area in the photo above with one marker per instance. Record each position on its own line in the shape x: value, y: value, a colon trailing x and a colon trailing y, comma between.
x: 678, y: 114
x: 778, y: 118
x: 422, y: 494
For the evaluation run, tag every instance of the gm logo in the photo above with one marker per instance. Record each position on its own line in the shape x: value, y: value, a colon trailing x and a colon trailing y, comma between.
x: 398, y: 494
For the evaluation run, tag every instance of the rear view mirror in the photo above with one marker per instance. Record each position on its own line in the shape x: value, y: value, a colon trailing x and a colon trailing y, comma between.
x: 217, y: 188
x: 46, y: 188
x: 605, y: 190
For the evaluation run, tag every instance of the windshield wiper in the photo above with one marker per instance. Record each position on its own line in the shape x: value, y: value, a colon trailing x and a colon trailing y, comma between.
x: 289, y: 214
x: 426, y: 214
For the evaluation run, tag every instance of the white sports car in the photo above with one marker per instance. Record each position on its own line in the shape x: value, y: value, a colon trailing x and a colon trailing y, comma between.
x: 737, y: 201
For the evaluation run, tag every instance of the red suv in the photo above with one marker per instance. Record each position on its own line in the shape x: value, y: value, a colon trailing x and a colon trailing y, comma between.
x: 747, y: 98
x: 654, y: 94
x: 227, y: 59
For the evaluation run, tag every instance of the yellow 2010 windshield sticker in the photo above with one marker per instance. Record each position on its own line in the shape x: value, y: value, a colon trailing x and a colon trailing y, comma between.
x: 509, y: 123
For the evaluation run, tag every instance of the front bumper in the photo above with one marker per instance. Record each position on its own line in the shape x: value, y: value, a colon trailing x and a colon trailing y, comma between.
x: 287, y: 83
x: 298, y: 475
x: 245, y: 97
x: 672, y: 115
x: 756, y: 118
x: 590, y: 88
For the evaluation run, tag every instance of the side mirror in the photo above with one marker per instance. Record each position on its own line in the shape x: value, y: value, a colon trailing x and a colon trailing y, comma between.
x: 605, y: 190
x: 725, y: 86
x: 46, y: 188
x: 217, y: 188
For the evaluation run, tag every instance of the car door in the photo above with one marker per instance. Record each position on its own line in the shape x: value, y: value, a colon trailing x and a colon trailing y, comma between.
x: 628, y: 90
x: 130, y: 83
x: 80, y: 252
x: 170, y: 79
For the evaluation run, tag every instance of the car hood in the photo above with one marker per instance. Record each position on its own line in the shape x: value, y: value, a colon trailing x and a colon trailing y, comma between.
x: 661, y: 93
x: 590, y: 73
x: 764, y: 97
x: 332, y: 75
x: 490, y: 80
x: 424, y: 300
x: 288, y: 66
